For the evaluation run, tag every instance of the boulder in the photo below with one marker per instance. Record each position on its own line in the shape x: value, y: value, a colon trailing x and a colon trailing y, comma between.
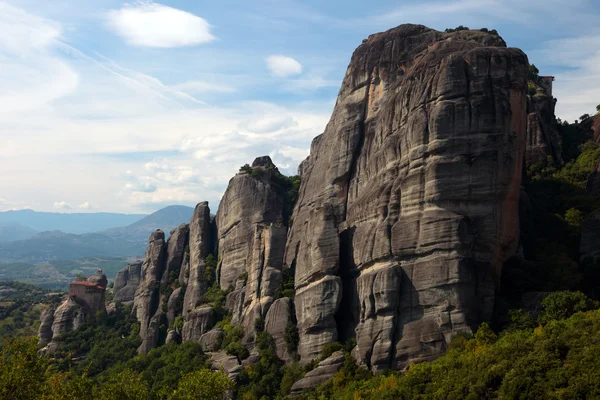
x: 409, y: 201
x: 172, y: 336
x: 221, y: 361
x: 210, y: 340
x: 197, y: 322
x: 324, y: 371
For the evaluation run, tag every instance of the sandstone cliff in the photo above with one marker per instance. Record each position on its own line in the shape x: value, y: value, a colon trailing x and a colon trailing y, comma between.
x: 408, y: 205
x: 127, y: 282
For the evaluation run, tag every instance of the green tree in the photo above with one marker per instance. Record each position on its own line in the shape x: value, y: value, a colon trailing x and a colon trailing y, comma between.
x: 574, y: 217
x: 563, y: 304
x: 125, y: 385
x: 598, y: 108
x: 202, y: 385
x: 21, y: 370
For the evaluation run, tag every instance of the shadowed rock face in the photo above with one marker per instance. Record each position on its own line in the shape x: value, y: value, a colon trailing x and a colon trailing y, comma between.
x: 67, y: 317
x: 408, y: 205
x: 127, y: 282
x: 176, y: 244
x: 543, y: 140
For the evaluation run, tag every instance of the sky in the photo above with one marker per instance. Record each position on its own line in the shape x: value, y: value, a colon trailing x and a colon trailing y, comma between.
x: 131, y: 106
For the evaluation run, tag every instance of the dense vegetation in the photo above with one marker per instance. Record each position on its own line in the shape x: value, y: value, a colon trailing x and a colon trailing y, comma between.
x: 20, y: 308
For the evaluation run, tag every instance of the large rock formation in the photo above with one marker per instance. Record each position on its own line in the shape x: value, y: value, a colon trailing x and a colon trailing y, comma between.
x: 147, y: 296
x: 200, y: 246
x: 127, y: 282
x: 408, y: 205
x: 279, y: 316
x: 176, y: 246
x: 67, y: 317
x: 251, y: 226
x: 543, y: 142
x: 324, y: 371
x: 250, y: 201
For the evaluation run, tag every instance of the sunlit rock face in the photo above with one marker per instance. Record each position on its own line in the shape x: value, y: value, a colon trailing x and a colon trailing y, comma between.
x: 408, y: 205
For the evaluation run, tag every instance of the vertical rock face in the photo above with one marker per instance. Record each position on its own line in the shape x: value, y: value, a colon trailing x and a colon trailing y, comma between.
x: 178, y: 240
x: 251, y: 200
x: 543, y: 141
x: 200, y: 245
x: 45, y: 331
x: 67, y: 317
x: 197, y: 323
x: 276, y: 321
x: 127, y: 282
x: 408, y: 205
x: 147, y: 296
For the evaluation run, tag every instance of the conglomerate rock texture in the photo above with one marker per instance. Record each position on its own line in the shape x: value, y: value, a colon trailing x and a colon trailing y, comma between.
x: 408, y: 205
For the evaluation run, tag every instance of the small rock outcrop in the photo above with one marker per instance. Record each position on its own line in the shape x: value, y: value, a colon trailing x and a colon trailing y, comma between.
x: 409, y: 201
x: 324, y: 371
x: 197, y: 322
x: 210, y: 340
x: 221, y: 361
x: 127, y: 281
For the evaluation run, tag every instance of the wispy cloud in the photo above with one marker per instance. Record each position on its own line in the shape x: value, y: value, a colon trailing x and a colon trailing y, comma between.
x: 85, y: 206
x: 151, y: 24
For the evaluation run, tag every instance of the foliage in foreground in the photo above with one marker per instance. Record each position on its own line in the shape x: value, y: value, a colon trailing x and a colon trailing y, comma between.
x: 556, y: 360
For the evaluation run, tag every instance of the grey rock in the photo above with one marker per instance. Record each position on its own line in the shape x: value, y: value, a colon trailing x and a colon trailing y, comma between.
x: 276, y: 321
x: 45, y: 330
x: 112, y: 309
x: 152, y: 337
x: 543, y: 141
x: 210, y: 340
x: 197, y: 322
x: 321, y: 374
x: 147, y: 295
x: 174, y: 305
x: 127, y: 282
x: 200, y: 244
x: 68, y: 317
x: 249, y: 201
x: 221, y: 361
x: 176, y: 244
x: 184, y: 273
x: 413, y: 187
x: 172, y: 336
x: 234, y: 303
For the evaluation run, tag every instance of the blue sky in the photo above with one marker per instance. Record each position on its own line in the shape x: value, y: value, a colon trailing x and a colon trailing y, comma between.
x: 128, y: 107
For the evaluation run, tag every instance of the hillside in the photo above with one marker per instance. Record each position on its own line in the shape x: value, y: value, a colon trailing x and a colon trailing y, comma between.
x: 14, y: 231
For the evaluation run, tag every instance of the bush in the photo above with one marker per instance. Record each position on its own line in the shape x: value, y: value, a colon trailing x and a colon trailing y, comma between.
x: 598, y: 108
x: 330, y: 348
x: 203, y: 385
x: 292, y: 338
x: 561, y: 305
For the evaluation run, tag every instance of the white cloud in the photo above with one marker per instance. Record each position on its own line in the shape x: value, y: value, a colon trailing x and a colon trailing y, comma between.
x: 151, y: 24
x: 63, y: 205
x: 85, y: 206
x: 282, y: 66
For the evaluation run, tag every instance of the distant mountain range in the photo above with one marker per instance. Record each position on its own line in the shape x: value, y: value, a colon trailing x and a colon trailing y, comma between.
x: 69, y: 223
x: 127, y: 241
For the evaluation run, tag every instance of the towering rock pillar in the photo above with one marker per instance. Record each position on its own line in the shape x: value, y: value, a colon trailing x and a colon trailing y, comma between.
x: 408, y: 205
